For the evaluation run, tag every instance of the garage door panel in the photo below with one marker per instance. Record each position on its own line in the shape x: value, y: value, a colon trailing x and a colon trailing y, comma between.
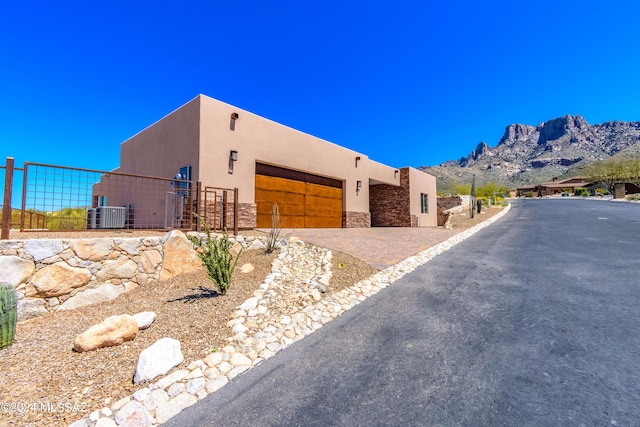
x: 323, y: 201
x: 300, y: 204
x: 268, y: 196
x: 323, y: 211
x: 264, y: 221
x: 323, y: 222
x: 292, y: 222
x: 280, y: 184
x: 323, y: 191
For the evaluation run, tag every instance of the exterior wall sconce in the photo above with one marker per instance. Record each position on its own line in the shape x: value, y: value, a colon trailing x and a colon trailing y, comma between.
x: 357, y: 159
x: 395, y: 173
x: 358, y: 186
x: 233, y: 157
x: 232, y: 123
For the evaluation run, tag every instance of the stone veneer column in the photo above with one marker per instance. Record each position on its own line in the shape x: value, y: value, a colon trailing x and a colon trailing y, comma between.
x: 390, y: 205
x: 356, y: 219
x: 247, y: 213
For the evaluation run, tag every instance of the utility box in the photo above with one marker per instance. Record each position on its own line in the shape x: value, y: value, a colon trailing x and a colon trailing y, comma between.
x: 111, y: 217
x: 91, y: 219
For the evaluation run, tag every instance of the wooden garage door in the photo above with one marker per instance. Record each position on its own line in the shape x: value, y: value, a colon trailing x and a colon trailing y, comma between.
x: 302, y: 204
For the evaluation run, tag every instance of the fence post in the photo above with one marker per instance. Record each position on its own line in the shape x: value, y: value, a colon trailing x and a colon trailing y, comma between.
x: 24, y: 195
x: 198, y: 211
x: 235, y: 211
x: 224, y: 211
x: 6, y: 206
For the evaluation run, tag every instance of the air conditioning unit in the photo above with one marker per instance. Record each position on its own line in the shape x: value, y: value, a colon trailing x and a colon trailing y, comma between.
x: 91, y: 218
x: 111, y: 216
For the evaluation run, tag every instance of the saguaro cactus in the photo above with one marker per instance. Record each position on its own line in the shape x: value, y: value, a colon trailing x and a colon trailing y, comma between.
x: 8, y: 314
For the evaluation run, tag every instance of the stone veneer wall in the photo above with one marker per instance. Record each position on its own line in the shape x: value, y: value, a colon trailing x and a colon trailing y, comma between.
x: 356, y: 219
x: 247, y: 213
x: 390, y: 205
x: 444, y: 204
x: 63, y: 274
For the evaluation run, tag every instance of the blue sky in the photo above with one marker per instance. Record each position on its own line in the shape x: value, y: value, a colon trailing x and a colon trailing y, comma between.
x: 407, y: 83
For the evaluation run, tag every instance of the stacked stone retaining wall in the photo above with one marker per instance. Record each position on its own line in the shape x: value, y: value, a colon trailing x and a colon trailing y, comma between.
x: 63, y: 274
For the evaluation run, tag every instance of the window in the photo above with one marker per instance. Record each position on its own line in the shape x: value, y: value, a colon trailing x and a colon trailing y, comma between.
x: 424, y: 202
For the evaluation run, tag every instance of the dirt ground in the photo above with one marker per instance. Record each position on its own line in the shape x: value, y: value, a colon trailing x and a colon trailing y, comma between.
x: 42, y: 367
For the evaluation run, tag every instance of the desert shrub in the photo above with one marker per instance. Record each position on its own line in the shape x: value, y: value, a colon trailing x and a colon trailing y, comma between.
x: 601, y: 191
x: 273, y: 238
x: 633, y: 197
x: 462, y: 189
x: 67, y: 219
x: 216, y: 257
x: 529, y: 194
x: 583, y: 192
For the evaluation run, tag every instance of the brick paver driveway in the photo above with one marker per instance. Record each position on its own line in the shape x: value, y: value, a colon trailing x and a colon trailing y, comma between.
x: 379, y: 247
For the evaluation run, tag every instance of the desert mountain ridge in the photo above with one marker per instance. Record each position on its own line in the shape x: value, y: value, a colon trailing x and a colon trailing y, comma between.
x: 533, y: 154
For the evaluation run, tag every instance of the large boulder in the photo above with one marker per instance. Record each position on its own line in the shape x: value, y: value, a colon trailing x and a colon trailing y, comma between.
x: 121, y: 268
x: 29, y: 308
x: 112, y: 331
x: 41, y: 249
x: 57, y: 279
x: 150, y: 260
x: 92, y: 249
x: 158, y: 359
x: 179, y: 256
x: 102, y: 293
x: 15, y: 270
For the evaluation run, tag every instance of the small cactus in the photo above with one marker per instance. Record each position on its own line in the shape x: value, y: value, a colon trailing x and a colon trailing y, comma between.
x: 8, y: 315
x: 479, y: 203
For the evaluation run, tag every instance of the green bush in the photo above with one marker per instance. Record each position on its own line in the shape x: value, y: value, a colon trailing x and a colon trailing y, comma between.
x: 216, y: 257
x: 583, y: 192
x: 529, y: 194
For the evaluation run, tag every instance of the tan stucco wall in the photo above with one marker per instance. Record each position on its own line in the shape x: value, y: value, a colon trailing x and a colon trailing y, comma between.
x: 167, y: 145
x: 422, y: 182
x: 258, y: 139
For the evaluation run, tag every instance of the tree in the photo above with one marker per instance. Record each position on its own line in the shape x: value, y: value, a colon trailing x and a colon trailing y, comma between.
x: 610, y: 172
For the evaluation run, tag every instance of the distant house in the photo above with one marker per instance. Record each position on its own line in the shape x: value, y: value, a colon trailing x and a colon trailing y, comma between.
x: 555, y: 186
x: 316, y: 183
x: 566, y: 185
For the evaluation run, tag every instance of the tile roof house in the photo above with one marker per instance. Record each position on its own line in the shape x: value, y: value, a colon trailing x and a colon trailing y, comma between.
x: 555, y: 186
x: 316, y: 183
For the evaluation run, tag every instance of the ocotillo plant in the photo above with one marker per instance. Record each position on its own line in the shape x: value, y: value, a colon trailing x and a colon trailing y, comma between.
x: 274, y: 235
x: 8, y: 314
x: 216, y: 257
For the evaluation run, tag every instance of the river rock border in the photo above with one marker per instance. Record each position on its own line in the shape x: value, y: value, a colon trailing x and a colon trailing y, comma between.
x: 287, y: 307
x: 63, y: 274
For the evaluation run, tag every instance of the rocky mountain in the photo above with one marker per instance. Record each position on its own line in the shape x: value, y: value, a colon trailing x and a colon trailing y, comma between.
x: 533, y: 154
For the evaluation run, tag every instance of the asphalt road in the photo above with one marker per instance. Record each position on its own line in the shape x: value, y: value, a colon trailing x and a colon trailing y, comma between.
x: 533, y: 321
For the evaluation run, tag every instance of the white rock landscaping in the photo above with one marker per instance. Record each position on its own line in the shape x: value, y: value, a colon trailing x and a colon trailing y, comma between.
x: 158, y: 359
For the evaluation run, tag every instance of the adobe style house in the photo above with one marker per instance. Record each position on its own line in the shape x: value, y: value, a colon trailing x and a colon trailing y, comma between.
x: 316, y: 183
